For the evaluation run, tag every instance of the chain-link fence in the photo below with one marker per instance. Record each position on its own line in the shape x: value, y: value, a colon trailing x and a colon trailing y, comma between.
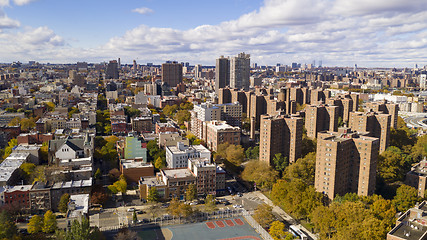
x: 261, y: 231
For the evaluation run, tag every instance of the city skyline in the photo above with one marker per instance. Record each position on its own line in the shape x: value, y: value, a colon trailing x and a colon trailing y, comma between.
x: 340, y: 33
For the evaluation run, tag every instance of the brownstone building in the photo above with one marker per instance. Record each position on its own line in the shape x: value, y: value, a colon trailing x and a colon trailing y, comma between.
x: 346, y: 162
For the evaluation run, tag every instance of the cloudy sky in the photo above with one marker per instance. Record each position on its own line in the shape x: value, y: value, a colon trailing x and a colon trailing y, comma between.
x: 369, y: 33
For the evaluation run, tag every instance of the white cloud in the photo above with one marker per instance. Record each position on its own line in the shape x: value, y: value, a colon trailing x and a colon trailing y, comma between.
x: 4, y: 3
x: 22, y: 2
x: 6, y: 22
x: 143, y: 10
x: 339, y: 32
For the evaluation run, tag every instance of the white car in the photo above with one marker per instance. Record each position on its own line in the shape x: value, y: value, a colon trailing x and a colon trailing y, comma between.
x: 131, y: 209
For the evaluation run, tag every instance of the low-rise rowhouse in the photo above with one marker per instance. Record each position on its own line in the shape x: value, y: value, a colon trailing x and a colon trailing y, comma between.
x: 412, y: 225
x: 133, y: 170
x: 70, y: 187
x: 207, y: 177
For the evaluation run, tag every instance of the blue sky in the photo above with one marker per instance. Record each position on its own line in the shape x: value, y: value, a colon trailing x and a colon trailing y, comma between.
x: 369, y: 33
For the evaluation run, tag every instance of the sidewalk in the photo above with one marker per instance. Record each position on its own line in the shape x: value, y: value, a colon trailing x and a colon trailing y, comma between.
x: 284, y: 215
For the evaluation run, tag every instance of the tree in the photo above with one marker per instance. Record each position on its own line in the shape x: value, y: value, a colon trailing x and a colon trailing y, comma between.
x: 260, y: 173
x: 97, y: 174
x: 72, y: 111
x: 10, y: 145
x: 27, y: 124
x: 7, y: 227
x: 38, y: 174
x: 50, y: 106
x: 263, y: 215
x: 405, y: 198
x: 182, y: 116
x: 210, y: 203
x: 49, y: 222
x: 98, y: 195
x: 191, y: 192
x: 392, y: 166
x: 235, y: 154
x: 63, y: 202
x: 303, y: 168
x: 15, y: 121
x: 221, y: 151
x: 121, y: 185
x: 160, y: 163
x: 35, y: 224
x: 280, y: 162
x: 43, y: 155
x: 277, y: 230
x: 134, y: 217
x: 153, y: 195
x: 80, y: 230
x: 28, y: 169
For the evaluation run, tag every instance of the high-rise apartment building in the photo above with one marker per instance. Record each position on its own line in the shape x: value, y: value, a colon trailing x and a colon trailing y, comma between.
x: 197, y: 71
x: 320, y: 118
x: 280, y: 134
x: 112, y: 71
x: 346, y: 162
x: 375, y: 124
x: 240, y: 71
x: 387, y: 108
x: 222, y: 73
x: 172, y: 73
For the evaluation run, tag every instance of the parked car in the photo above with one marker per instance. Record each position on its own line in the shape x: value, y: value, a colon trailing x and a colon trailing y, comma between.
x: 131, y: 209
x: 140, y: 212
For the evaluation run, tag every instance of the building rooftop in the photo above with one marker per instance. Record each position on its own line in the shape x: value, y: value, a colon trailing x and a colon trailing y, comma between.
x: 152, y: 181
x: 180, y: 148
x: 412, y: 224
x: 21, y: 147
x: 420, y: 168
x: 78, y: 205
x: 221, y: 126
x: 135, y: 164
x: 69, y: 184
x: 23, y: 188
x: 177, y: 173
x: 10, y: 164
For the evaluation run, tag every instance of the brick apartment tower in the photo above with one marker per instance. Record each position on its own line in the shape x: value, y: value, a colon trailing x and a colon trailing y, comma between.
x: 172, y: 73
x: 377, y: 124
x: 346, y: 162
x: 280, y: 134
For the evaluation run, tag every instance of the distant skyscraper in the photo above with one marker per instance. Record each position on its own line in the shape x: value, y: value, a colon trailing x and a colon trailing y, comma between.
x: 240, y: 71
x: 119, y: 64
x: 197, y: 71
x: 222, y: 73
x: 112, y: 72
x: 134, y: 65
x: 172, y: 73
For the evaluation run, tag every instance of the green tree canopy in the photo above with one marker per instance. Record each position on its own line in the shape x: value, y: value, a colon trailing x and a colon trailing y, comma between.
x: 191, y: 192
x: 303, y: 168
x: 35, y: 224
x: 264, y: 215
x: 260, y: 173
x: 7, y: 227
x: 63, y: 202
x: 405, y: 198
x: 153, y: 195
x: 235, y: 154
x: 49, y: 222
